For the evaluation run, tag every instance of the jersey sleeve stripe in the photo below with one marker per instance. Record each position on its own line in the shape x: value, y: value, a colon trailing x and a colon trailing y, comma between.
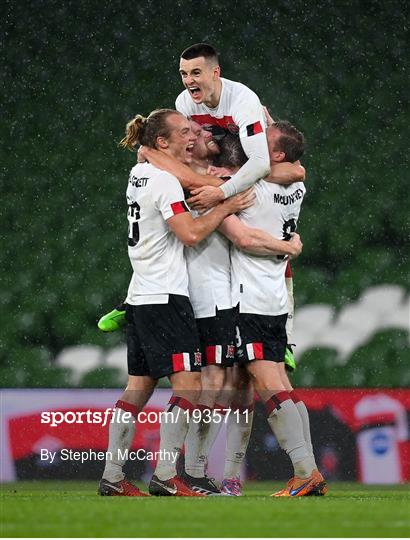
x: 254, y: 129
x: 179, y: 207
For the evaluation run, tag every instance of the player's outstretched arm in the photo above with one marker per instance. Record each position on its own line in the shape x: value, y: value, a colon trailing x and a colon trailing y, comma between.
x: 191, y: 231
x: 286, y: 173
x: 257, y: 166
x: 249, y: 117
x: 258, y: 242
x: 188, y: 178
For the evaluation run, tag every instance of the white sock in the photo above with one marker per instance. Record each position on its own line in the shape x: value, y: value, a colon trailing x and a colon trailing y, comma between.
x: 199, y: 441
x: 173, y: 432
x: 121, y: 435
x: 239, y: 428
x: 304, y: 415
x: 286, y: 424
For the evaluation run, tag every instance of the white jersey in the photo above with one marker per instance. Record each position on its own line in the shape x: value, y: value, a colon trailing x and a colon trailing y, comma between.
x: 258, y: 282
x: 209, y: 271
x: 239, y: 111
x: 156, y: 254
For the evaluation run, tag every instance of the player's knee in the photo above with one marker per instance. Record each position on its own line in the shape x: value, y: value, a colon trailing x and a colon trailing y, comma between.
x: 284, y: 378
x: 272, y: 383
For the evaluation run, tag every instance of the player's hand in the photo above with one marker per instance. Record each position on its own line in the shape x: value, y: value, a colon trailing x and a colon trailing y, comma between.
x: 205, y: 197
x: 296, y: 244
x: 141, y: 156
x: 269, y: 120
x: 240, y: 202
x: 218, y: 171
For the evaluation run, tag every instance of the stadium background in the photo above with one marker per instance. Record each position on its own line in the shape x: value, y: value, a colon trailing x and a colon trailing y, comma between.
x: 76, y: 72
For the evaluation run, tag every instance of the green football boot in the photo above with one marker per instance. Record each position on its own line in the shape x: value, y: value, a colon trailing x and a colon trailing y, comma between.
x: 114, y: 320
x: 290, y: 363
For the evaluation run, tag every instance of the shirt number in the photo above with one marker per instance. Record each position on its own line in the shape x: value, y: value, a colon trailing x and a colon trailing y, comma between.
x: 133, y: 227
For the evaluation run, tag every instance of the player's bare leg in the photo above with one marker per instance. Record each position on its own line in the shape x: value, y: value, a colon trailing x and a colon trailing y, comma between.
x: 121, y: 434
x: 186, y: 389
x: 286, y: 424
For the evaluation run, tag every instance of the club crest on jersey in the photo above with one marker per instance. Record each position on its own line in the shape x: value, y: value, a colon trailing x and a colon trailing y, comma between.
x: 230, y: 353
x: 197, y: 358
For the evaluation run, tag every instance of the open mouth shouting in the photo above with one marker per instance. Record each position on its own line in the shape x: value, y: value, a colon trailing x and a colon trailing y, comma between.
x: 189, y: 150
x: 195, y: 92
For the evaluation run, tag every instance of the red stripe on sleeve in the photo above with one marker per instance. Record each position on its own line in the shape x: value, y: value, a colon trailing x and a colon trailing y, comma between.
x: 257, y: 128
x: 179, y: 207
x: 254, y: 129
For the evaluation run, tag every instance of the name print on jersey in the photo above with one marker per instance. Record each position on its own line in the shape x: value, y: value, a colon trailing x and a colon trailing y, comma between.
x: 288, y: 199
x: 138, y: 182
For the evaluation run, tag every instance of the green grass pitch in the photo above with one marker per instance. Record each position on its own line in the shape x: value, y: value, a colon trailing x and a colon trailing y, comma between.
x: 72, y: 509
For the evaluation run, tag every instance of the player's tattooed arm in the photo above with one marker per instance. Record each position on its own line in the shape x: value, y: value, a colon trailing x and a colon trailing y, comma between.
x: 188, y: 178
x: 286, y: 173
x: 258, y: 242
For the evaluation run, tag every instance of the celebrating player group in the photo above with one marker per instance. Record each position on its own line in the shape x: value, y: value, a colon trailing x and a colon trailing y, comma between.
x: 210, y: 301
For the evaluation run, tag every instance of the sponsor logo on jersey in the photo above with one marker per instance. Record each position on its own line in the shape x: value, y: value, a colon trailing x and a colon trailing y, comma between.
x: 254, y: 129
x: 288, y: 199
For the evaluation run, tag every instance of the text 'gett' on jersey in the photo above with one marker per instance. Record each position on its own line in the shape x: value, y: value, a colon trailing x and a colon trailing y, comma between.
x: 156, y: 254
x: 258, y: 283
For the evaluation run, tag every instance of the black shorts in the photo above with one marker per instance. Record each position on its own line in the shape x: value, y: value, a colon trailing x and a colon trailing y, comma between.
x: 261, y: 337
x: 217, y: 338
x: 162, y: 338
